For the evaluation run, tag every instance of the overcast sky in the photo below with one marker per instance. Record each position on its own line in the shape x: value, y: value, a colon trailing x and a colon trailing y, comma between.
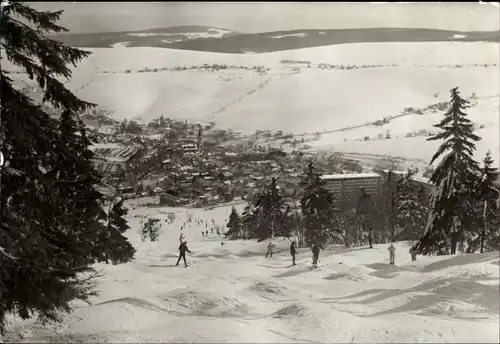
x: 268, y: 16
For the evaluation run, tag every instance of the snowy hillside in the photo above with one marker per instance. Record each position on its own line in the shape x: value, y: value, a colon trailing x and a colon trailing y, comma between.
x: 342, y: 87
x: 232, y: 293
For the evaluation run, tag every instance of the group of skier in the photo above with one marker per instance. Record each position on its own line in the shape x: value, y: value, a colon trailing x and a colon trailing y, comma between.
x: 392, y: 249
x: 293, y: 252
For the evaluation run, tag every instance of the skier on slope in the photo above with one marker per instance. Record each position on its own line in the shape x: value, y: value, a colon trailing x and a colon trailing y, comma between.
x: 270, y: 249
x: 182, y: 253
x: 293, y: 252
x: 392, y: 253
x: 181, y: 238
x: 315, y: 251
x: 413, y: 253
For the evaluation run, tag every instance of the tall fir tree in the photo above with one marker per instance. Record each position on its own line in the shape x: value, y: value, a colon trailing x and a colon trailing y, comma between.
x: 234, y: 225
x: 488, y: 196
x: 270, y: 210
x: 411, y: 214
x: 452, y: 205
x: 249, y: 221
x: 121, y: 251
x: 151, y: 229
x: 51, y: 213
x: 311, y: 175
x: 317, y: 209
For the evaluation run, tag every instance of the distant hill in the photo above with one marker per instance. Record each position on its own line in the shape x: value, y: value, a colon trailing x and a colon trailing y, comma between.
x: 202, y: 38
x: 159, y: 37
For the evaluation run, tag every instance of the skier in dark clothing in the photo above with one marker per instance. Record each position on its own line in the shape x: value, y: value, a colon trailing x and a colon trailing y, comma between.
x: 293, y: 251
x: 315, y: 251
x: 182, y: 253
x: 270, y: 249
x: 370, y: 237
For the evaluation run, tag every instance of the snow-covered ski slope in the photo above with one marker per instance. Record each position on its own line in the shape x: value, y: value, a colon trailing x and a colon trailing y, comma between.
x: 232, y: 293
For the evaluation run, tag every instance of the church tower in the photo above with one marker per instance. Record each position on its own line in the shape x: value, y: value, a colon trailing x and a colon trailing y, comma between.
x: 199, y: 141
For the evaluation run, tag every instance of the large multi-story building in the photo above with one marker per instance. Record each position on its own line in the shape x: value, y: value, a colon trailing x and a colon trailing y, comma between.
x: 346, y: 188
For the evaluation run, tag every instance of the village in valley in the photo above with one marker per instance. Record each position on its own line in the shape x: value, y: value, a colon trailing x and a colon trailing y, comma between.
x: 197, y: 164
x: 174, y: 163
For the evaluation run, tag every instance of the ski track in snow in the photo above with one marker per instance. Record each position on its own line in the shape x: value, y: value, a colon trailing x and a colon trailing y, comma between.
x: 232, y: 293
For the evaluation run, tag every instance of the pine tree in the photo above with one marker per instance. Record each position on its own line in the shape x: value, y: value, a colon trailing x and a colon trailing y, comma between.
x: 454, y: 179
x: 488, y: 195
x: 51, y: 213
x: 249, y: 221
x: 121, y: 251
x: 151, y: 229
x: 234, y: 225
x: 411, y: 215
x: 270, y: 211
x: 317, y: 209
x: 83, y: 207
x: 311, y: 175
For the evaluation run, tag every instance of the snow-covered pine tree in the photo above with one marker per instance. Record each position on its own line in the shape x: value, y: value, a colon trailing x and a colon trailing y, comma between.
x: 310, y: 176
x: 151, y: 229
x: 317, y: 209
x: 249, y: 221
x: 279, y: 211
x: 234, y: 225
x: 270, y: 212
x: 262, y: 213
x: 452, y: 205
x: 50, y: 212
x: 122, y: 251
x: 411, y: 215
x: 488, y: 195
x: 83, y: 207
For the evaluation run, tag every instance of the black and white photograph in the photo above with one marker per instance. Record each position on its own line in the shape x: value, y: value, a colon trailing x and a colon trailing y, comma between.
x: 249, y: 172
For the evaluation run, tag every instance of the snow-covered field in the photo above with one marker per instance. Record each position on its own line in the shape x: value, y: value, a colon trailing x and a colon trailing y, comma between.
x: 408, y: 75
x: 232, y: 293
